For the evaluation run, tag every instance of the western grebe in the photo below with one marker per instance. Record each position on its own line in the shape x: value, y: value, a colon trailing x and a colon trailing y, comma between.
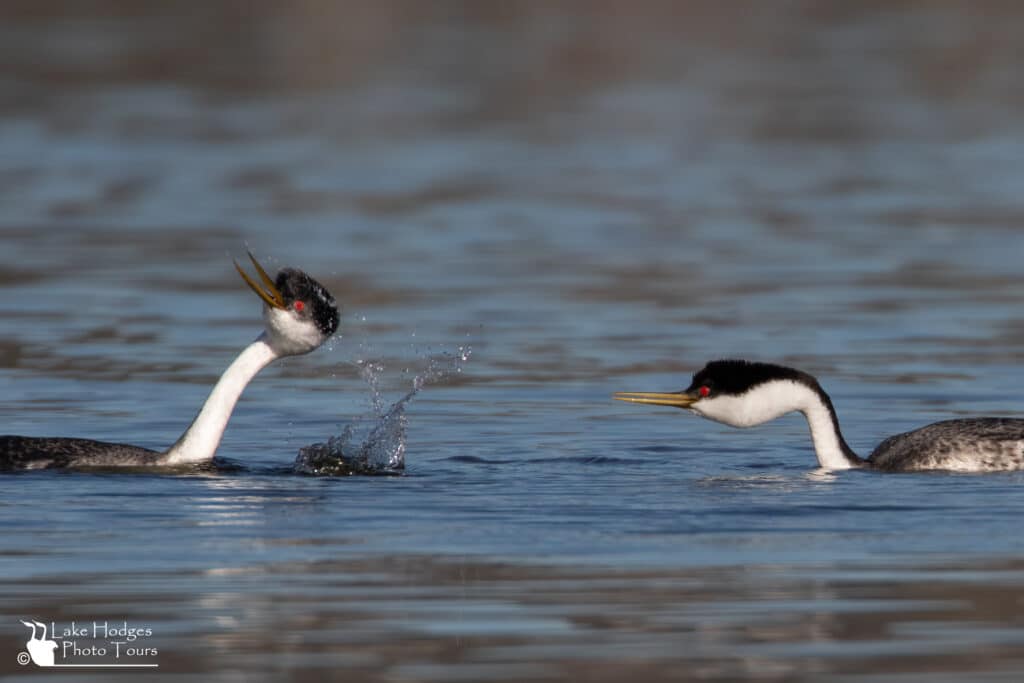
x: 299, y: 315
x: 744, y: 394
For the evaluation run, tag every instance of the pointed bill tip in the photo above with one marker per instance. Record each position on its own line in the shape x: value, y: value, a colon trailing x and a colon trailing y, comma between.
x: 269, y: 293
x: 673, y: 399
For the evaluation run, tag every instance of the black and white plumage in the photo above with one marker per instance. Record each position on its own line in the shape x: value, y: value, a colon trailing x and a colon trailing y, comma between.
x: 744, y: 394
x: 299, y: 315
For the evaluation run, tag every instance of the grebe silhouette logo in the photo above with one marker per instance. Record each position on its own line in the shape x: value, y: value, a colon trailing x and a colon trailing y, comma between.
x: 94, y: 645
x: 40, y: 650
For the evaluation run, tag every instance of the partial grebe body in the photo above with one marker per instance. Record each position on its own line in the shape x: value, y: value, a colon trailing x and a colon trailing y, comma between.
x: 41, y: 452
x: 980, y: 444
x: 299, y: 315
x: 744, y: 394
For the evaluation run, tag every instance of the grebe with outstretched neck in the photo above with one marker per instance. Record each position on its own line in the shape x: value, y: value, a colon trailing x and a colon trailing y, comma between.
x: 299, y: 315
x: 744, y: 394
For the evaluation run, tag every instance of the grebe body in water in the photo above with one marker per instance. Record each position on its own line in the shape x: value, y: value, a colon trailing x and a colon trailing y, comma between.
x: 299, y: 315
x: 744, y: 394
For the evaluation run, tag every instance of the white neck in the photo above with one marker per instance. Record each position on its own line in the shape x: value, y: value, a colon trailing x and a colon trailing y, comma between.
x: 774, y: 399
x: 828, y: 442
x: 200, y: 440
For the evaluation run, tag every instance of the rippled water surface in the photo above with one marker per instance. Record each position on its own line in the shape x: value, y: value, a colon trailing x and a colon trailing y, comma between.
x: 592, y: 199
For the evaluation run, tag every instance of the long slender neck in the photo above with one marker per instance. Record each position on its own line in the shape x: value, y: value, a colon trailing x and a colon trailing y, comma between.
x: 200, y: 440
x: 829, y: 445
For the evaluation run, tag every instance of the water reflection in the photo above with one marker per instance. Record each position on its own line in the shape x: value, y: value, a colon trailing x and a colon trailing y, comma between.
x: 428, y: 619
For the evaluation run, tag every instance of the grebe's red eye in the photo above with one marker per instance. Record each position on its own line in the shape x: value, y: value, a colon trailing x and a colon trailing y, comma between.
x: 704, y: 391
x: 299, y: 306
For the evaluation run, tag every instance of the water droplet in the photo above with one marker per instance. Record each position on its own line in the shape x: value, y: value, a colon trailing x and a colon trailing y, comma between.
x: 382, y: 449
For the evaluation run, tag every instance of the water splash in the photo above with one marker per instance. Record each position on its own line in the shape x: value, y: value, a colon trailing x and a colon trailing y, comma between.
x: 376, y: 444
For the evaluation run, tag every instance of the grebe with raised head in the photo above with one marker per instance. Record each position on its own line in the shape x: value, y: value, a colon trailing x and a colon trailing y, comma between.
x: 299, y: 315
x: 744, y: 394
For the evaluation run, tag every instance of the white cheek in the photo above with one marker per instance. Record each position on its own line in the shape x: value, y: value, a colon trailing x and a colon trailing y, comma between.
x: 289, y: 334
x: 755, y: 407
x: 731, y: 410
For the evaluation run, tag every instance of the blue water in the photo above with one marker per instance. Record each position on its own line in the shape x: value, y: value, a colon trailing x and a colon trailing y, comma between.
x: 590, y: 203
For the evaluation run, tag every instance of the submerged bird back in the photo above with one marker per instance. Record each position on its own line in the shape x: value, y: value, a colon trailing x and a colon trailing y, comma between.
x: 984, y: 444
x: 36, y: 453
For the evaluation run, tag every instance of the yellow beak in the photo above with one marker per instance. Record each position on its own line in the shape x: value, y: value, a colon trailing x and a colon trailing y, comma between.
x: 678, y: 399
x: 271, y: 295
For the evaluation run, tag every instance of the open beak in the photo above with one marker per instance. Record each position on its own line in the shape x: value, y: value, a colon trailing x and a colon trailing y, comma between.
x: 678, y: 399
x: 271, y: 295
